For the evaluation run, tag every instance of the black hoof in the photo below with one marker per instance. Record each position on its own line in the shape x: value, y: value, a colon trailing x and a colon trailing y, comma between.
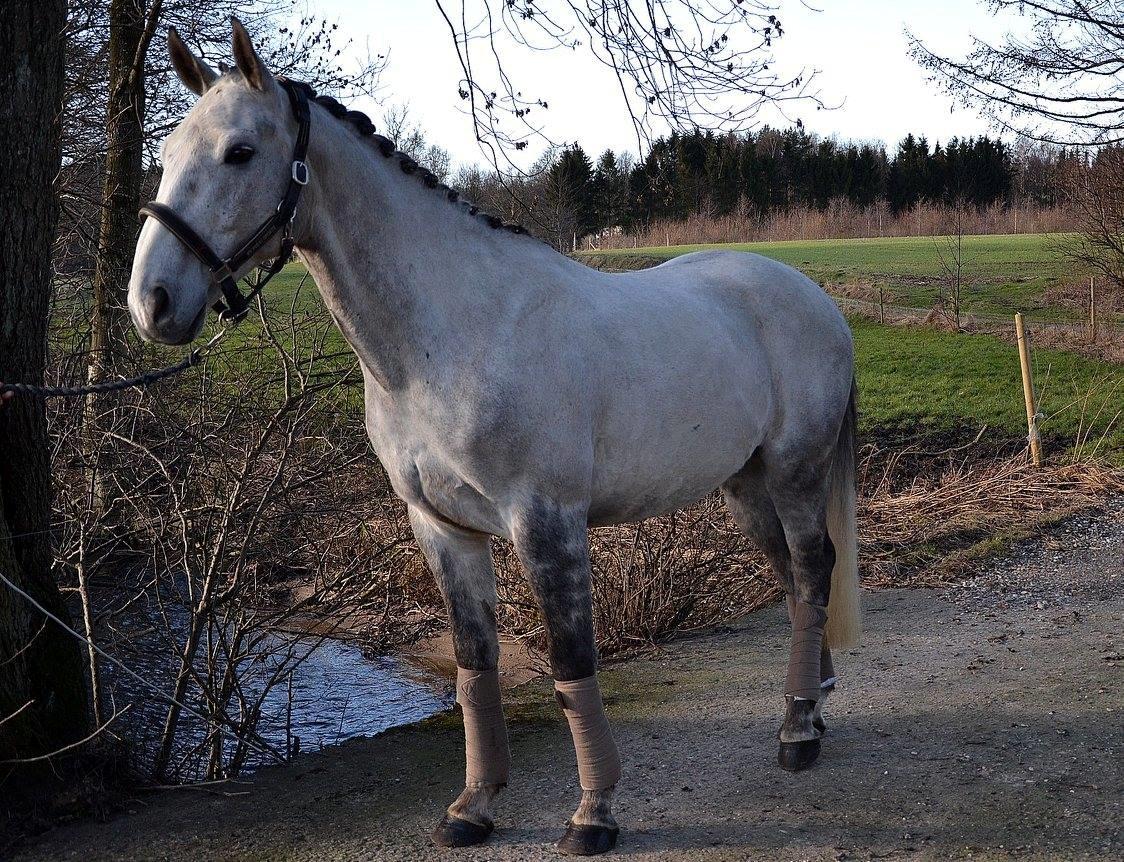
x: 454, y: 832
x: 795, y: 756
x: 588, y: 840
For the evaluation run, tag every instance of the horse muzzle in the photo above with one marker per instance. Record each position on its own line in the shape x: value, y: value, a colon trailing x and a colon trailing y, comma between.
x: 161, y: 316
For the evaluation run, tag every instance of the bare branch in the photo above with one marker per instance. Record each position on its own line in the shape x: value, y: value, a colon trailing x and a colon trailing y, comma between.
x: 679, y: 64
x: 1061, y: 83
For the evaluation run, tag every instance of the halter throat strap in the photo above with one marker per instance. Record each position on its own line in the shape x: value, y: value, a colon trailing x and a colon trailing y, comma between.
x: 234, y: 304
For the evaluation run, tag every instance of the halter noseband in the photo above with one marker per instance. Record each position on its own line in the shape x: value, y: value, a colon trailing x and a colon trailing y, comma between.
x: 234, y: 304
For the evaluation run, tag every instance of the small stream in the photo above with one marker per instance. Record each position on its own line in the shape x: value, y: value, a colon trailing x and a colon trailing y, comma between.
x: 339, y: 693
x: 334, y: 693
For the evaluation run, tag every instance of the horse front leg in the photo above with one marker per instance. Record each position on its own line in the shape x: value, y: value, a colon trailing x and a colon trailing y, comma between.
x: 553, y: 545
x: 462, y: 563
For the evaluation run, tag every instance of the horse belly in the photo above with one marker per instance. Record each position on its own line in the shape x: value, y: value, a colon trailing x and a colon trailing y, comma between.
x: 675, y: 451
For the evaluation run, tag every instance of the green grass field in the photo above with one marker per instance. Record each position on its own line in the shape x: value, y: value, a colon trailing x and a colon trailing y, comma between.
x: 915, y: 382
x: 921, y: 382
x: 1002, y: 274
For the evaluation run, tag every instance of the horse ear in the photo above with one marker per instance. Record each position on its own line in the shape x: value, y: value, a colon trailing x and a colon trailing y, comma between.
x: 247, y: 59
x: 196, y: 75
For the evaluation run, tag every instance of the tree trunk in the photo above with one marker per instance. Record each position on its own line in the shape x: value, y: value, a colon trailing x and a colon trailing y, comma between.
x: 121, y: 190
x: 40, y: 665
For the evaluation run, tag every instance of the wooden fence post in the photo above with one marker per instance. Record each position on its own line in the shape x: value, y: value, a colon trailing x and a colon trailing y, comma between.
x: 1093, y: 309
x: 1028, y: 393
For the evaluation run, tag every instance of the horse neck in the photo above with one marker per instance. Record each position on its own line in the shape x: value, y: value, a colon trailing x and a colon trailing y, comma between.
x: 409, y: 277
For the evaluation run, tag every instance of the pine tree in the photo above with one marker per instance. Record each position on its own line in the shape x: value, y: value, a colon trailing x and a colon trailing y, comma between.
x: 610, y: 189
x: 570, y: 196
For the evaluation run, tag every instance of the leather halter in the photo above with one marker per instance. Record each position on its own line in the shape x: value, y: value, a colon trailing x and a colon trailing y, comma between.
x: 234, y: 304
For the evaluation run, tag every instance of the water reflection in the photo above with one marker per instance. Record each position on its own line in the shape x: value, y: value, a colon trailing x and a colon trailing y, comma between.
x: 338, y: 693
x: 333, y: 693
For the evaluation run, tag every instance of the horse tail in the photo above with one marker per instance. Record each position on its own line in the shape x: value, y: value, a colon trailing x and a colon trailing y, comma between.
x: 844, y: 611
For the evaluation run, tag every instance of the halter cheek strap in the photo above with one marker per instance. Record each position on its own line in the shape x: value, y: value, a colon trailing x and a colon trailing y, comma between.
x: 234, y: 304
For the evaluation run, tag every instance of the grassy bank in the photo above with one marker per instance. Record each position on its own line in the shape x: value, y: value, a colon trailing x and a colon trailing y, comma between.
x: 914, y: 381
x: 923, y: 382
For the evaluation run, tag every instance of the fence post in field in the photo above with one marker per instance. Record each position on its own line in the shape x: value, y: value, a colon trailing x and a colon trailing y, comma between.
x: 881, y: 306
x: 1028, y: 393
x: 1093, y: 309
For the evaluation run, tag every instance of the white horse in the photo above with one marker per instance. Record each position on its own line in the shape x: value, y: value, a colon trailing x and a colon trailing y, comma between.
x: 514, y: 392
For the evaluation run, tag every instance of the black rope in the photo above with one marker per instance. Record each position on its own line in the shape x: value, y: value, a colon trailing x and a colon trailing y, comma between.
x: 142, y: 381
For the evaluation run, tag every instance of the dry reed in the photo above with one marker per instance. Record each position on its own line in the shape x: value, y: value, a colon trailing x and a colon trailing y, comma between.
x: 916, y: 534
x: 840, y: 220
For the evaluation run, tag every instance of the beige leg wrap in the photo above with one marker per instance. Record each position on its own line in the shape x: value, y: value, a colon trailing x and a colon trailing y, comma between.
x: 486, y: 755
x: 599, y: 764
x: 808, y: 623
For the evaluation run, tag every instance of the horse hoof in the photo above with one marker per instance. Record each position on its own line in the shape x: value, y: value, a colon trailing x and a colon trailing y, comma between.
x: 795, y: 756
x: 454, y: 832
x: 588, y: 840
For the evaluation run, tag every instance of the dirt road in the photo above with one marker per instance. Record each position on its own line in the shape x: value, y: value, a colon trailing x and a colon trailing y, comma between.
x: 982, y: 721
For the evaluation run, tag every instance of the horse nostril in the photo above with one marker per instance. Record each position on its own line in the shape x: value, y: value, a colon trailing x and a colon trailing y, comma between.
x: 159, y: 303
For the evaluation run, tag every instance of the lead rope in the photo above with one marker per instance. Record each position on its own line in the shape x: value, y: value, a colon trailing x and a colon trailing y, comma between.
x: 264, y: 273
x: 141, y: 381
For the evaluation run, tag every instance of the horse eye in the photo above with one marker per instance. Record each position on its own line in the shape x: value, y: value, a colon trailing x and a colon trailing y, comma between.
x: 239, y: 154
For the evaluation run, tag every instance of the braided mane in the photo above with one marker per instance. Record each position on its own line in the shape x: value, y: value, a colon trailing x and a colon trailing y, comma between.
x: 387, y: 148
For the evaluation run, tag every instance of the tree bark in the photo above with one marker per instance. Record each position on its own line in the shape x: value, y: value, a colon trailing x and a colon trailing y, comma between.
x: 41, y: 670
x: 124, y: 175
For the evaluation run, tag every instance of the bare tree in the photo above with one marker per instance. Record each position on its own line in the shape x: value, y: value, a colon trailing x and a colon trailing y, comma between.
x: 950, y: 254
x: 410, y: 138
x: 678, y: 63
x: 246, y: 500
x: 42, y: 690
x: 1096, y: 194
x: 1062, y: 82
x: 132, y: 24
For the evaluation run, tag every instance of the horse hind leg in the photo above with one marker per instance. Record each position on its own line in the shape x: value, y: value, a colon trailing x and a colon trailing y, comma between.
x: 751, y: 505
x: 801, y: 499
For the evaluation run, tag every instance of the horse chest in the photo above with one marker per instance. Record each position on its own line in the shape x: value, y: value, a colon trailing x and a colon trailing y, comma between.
x: 432, y: 473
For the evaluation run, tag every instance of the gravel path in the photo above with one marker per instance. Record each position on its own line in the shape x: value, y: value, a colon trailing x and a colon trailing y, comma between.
x: 983, y: 721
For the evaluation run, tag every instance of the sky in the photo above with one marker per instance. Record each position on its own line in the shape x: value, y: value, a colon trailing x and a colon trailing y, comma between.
x: 858, y: 46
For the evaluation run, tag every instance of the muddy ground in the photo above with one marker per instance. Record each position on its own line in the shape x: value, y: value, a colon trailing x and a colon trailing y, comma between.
x: 980, y: 721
